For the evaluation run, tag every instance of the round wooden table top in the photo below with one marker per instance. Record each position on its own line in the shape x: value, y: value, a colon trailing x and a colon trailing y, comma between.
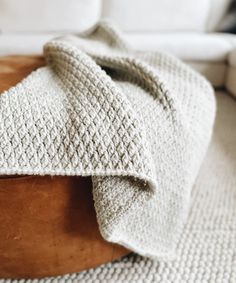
x: 48, y: 224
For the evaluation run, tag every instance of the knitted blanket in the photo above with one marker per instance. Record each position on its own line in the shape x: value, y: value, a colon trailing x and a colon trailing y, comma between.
x: 139, y: 123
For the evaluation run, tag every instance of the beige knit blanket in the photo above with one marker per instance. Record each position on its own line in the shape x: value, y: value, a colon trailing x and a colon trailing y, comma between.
x: 138, y: 122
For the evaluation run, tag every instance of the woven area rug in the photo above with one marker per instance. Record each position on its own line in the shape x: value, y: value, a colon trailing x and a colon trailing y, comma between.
x: 206, y: 252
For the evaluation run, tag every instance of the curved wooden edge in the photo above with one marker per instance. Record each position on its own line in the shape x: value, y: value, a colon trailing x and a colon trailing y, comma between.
x: 14, y: 68
x: 48, y: 227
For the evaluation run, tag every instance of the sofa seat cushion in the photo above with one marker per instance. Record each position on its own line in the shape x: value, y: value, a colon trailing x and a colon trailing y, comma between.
x: 207, y: 53
x: 24, y: 43
x: 187, y: 46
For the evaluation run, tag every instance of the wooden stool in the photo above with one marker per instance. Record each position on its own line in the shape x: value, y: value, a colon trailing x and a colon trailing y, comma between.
x: 48, y: 224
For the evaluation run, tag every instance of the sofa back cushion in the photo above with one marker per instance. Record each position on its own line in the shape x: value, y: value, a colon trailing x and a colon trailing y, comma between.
x: 48, y: 15
x: 130, y: 15
x: 164, y: 15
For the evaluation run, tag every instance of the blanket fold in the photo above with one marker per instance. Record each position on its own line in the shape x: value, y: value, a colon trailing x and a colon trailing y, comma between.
x: 139, y: 123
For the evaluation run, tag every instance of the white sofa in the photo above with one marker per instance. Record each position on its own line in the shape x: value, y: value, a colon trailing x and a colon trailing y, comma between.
x: 184, y: 28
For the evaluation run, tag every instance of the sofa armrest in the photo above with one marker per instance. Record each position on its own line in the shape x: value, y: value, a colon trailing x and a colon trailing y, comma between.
x: 231, y: 73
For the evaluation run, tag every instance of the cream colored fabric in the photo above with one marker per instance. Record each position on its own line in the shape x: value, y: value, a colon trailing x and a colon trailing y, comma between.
x: 207, y: 249
x: 140, y: 126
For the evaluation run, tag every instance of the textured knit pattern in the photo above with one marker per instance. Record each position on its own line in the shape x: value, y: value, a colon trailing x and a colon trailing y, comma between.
x: 138, y: 123
x: 206, y: 252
